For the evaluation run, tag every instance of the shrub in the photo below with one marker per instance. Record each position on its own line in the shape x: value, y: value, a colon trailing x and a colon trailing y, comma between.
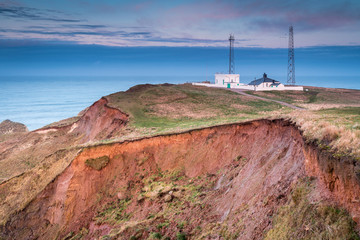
x: 180, y: 236
x: 97, y: 163
x: 155, y: 235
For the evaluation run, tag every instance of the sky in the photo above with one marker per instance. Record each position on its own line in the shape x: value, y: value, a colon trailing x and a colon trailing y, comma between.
x: 188, y: 37
x: 186, y: 23
x: 102, y: 46
x: 96, y: 60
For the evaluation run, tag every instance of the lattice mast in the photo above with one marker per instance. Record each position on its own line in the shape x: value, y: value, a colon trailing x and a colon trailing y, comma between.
x: 291, y: 59
x: 231, y: 55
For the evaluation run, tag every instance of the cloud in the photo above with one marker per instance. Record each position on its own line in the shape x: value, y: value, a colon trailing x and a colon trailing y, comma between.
x: 34, y: 42
x: 257, y: 15
x: 104, y: 33
x: 21, y: 12
x: 185, y: 23
x: 88, y: 26
x: 306, y: 15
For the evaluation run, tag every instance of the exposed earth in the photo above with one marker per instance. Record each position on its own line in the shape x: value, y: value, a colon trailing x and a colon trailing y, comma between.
x: 142, y: 164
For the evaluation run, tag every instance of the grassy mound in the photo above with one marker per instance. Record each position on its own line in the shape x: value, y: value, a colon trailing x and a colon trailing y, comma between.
x: 167, y: 107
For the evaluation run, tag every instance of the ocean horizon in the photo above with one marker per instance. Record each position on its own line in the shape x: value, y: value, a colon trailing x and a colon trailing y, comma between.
x: 37, y: 101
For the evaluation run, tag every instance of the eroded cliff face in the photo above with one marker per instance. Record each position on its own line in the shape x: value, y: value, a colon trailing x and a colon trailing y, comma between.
x: 338, y: 176
x: 274, y: 156
x: 99, y: 122
x: 29, y: 162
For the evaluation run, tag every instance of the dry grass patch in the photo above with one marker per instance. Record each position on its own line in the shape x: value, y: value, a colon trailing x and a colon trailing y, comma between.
x: 338, y: 131
x: 322, y: 106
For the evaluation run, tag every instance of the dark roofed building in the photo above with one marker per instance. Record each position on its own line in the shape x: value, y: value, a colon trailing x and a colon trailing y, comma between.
x: 266, y: 82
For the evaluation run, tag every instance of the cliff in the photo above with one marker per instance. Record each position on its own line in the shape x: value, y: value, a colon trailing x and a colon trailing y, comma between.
x: 163, y: 162
x: 251, y: 169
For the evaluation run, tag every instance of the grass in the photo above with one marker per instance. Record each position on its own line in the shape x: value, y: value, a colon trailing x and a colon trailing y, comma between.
x: 114, y: 212
x: 333, y: 116
x: 162, y: 108
x: 180, y: 236
x: 302, y: 219
x: 292, y: 97
x: 337, y: 128
x: 313, y: 95
x: 348, y: 117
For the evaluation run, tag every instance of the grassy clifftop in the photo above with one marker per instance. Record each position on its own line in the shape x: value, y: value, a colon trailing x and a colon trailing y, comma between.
x: 164, y: 108
x: 314, y: 96
x: 330, y: 115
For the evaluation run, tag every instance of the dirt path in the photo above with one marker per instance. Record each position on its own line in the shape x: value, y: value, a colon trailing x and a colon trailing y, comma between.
x: 266, y: 99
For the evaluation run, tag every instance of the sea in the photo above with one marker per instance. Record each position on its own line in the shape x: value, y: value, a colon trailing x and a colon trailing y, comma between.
x: 40, y: 100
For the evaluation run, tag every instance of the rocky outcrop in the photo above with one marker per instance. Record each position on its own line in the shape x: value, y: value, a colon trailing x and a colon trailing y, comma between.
x: 8, y: 127
x: 100, y: 121
x: 97, y: 122
x: 275, y: 157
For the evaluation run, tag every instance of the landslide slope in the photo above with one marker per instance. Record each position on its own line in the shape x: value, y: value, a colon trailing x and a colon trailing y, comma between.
x: 226, y: 182
x: 131, y: 167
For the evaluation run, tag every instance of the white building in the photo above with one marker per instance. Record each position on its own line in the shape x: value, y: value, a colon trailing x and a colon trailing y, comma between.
x: 261, y: 84
x: 268, y: 84
x: 227, y: 80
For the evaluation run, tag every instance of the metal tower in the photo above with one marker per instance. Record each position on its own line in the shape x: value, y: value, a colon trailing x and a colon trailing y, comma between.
x: 231, y: 55
x: 291, y: 59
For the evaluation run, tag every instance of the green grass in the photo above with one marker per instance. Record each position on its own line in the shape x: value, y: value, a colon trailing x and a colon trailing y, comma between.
x: 342, y: 111
x: 162, y: 108
x: 114, y: 212
x: 291, y: 97
x: 348, y: 117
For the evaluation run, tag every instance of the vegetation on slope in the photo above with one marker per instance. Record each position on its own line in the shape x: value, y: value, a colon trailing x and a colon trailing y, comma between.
x: 165, y: 205
x: 331, y: 118
x: 301, y: 218
x: 336, y: 129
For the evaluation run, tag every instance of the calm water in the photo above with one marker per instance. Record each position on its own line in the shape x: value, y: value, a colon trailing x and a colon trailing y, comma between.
x: 38, y: 101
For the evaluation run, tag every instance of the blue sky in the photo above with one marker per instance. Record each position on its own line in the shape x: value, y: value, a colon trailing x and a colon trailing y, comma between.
x: 255, y: 23
x: 113, y: 38
x: 94, y: 60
